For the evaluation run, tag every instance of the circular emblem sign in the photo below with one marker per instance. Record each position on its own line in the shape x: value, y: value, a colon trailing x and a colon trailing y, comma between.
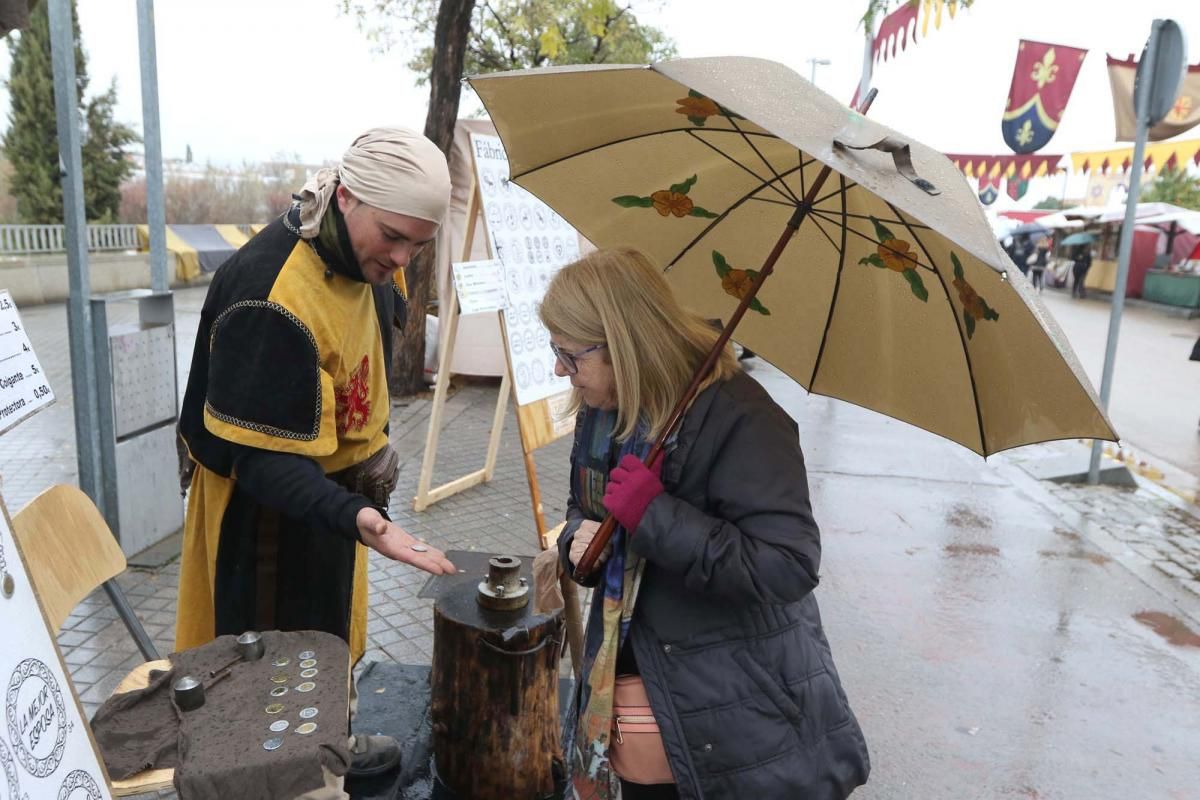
x: 79, y: 786
x: 37, y: 718
x: 9, y: 788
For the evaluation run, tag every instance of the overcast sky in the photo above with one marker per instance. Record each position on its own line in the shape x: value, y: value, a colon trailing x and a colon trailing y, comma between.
x: 244, y: 80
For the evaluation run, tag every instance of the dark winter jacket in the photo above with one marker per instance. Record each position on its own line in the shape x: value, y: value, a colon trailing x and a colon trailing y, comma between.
x: 726, y: 631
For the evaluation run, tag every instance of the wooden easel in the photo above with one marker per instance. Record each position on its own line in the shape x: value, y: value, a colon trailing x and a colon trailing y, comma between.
x: 535, y: 423
x: 448, y: 331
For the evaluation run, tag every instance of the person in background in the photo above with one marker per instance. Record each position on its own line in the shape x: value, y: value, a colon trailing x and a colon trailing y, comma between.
x: 1020, y: 253
x: 704, y: 614
x: 1037, y: 269
x: 1081, y: 262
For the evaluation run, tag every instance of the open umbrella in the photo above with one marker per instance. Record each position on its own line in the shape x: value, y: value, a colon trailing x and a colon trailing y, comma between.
x: 894, y: 294
x: 1078, y: 238
x: 1029, y: 229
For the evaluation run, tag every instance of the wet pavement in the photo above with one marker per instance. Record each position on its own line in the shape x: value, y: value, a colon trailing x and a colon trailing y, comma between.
x: 997, y: 636
x: 1000, y: 637
x: 1155, y: 400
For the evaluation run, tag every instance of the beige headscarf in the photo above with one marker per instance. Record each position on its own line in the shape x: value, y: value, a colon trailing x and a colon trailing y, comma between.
x: 394, y: 169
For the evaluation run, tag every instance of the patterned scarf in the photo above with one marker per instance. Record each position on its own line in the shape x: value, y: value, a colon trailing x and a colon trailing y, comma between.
x: 612, y: 603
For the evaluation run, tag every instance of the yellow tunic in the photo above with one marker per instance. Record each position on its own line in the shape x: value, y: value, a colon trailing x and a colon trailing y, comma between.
x: 338, y: 315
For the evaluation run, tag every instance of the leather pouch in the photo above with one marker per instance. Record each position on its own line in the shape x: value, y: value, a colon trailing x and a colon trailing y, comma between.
x: 635, y: 749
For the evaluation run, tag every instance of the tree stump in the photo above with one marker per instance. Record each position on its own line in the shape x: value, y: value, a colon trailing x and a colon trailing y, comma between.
x: 494, y: 701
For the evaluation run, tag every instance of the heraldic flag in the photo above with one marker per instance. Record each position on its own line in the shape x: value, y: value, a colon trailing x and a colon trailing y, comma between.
x: 1041, y: 85
x: 989, y: 189
x: 1184, y: 114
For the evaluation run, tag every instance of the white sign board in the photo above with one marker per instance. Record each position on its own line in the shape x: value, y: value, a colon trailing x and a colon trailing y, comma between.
x: 45, y: 750
x: 480, y: 286
x: 23, y: 386
x: 533, y: 242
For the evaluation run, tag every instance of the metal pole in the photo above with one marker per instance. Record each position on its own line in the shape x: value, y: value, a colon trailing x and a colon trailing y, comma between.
x: 864, y: 83
x: 1126, y: 244
x: 79, y: 317
x: 156, y: 215
x: 84, y: 386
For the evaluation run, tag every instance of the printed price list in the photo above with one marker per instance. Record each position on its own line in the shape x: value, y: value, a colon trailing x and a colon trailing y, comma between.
x: 24, y: 388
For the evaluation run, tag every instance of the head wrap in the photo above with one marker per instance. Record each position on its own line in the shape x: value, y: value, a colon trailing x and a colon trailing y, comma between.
x: 393, y: 169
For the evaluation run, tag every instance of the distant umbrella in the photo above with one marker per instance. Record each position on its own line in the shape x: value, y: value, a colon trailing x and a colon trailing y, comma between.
x: 1079, y: 238
x: 1029, y: 229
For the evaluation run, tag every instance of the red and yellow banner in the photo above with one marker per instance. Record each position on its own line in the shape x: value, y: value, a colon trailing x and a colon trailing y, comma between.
x: 1041, y: 86
x: 1162, y: 154
x: 1006, y: 166
x: 1183, y: 116
x: 899, y: 28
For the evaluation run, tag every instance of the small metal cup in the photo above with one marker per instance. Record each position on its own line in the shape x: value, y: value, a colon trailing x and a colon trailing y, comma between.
x: 189, y: 693
x: 250, y: 646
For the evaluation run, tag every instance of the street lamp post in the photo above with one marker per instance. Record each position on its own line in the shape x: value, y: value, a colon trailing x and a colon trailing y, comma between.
x: 816, y: 62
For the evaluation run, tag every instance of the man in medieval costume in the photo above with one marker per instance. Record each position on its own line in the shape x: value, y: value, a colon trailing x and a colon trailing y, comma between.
x: 285, y: 418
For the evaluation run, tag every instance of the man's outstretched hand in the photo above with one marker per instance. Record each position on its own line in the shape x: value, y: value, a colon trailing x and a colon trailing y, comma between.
x: 398, y: 544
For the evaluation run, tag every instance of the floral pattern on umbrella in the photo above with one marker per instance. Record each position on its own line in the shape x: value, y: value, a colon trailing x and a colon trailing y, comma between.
x: 898, y: 256
x: 698, y: 108
x: 673, y: 201
x: 974, y: 306
x: 738, y: 282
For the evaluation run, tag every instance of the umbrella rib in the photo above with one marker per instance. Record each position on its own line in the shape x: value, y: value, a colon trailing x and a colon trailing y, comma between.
x: 841, y: 250
x: 747, y: 196
x: 917, y: 225
x: 837, y: 285
x: 834, y: 193
x: 825, y: 216
x: 957, y: 327
x: 773, y: 202
x: 787, y: 195
x: 763, y: 158
x: 622, y: 140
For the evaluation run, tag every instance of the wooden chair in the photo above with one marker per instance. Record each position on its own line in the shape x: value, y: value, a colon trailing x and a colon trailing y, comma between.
x: 69, y: 551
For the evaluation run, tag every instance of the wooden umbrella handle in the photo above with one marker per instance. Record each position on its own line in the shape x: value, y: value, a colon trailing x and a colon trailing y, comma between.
x: 590, y: 556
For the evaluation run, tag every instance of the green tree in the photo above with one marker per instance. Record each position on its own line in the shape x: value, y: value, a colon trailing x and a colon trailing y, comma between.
x: 1051, y: 203
x: 520, y: 34
x: 1174, y: 186
x: 31, y: 142
x: 457, y: 37
x: 105, y: 161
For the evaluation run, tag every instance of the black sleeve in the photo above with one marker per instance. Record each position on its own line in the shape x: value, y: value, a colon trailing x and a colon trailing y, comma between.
x: 758, y: 541
x: 297, y: 487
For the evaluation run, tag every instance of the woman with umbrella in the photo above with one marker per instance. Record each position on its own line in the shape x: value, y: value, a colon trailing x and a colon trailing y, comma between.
x: 707, y: 672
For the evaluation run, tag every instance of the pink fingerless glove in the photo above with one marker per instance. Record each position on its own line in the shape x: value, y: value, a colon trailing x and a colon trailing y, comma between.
x: 631, y: 488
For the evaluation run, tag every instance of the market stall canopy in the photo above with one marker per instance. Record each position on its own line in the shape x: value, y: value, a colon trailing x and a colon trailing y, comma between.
x: 1058, y: 221
x: 197, y: 248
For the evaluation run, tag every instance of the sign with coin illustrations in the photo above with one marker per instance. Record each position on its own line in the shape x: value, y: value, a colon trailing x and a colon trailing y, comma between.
x: 45, y: 748
x: 533, y: 243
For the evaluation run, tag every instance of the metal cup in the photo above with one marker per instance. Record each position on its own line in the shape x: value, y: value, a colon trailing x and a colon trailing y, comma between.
x: 250, y: 646
x: 189, y: 693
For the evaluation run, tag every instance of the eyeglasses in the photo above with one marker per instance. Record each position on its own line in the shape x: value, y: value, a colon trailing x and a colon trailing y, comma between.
x: 568, y: 359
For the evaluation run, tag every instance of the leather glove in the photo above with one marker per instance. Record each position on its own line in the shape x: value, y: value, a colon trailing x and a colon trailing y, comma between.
x: 631, y: 488
x: 583, y: 537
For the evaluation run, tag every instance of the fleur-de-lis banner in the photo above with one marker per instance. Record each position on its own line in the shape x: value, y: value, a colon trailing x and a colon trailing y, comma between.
x: 1184, y: 114
x: 1041, y: 86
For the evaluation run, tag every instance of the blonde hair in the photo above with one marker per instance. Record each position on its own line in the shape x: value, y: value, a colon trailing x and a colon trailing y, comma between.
x: 618, y: 297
